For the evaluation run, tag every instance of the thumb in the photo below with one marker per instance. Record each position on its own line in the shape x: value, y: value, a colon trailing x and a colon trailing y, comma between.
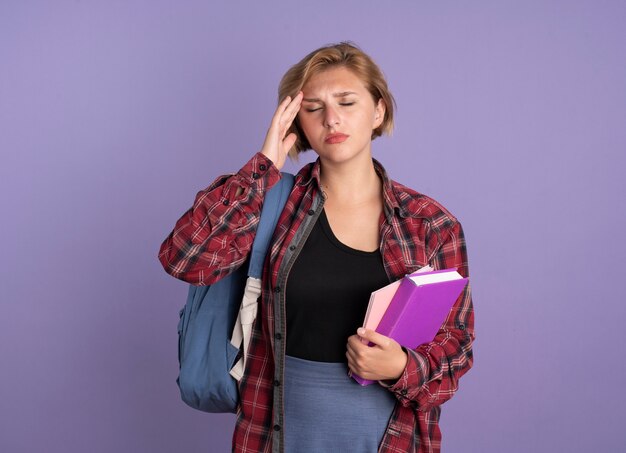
x: 374, y: 337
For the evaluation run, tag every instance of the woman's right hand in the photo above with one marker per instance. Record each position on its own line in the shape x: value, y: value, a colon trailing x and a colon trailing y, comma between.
x: 276, y: 145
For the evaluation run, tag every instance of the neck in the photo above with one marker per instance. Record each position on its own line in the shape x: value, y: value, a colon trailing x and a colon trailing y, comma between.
x: 354, y: 182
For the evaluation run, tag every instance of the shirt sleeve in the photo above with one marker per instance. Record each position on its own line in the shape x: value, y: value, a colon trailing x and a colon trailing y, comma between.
x: 431, y: 376
x: 215, y: 236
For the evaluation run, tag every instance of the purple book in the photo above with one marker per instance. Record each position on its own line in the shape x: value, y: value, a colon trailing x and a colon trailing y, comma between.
x: 419, y: 307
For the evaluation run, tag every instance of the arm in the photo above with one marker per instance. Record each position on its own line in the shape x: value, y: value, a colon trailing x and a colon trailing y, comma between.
x: 428, y: 375
x: 433, y: 370
x: 215, y: 236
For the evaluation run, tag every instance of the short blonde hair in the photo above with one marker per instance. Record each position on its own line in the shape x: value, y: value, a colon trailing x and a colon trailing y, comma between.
x: 347, y: 55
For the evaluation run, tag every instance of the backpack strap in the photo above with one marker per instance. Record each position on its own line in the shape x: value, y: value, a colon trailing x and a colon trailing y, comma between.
x: 273, y: 206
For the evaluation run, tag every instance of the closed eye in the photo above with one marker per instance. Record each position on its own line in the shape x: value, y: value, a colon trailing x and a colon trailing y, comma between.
x: 347, y: 104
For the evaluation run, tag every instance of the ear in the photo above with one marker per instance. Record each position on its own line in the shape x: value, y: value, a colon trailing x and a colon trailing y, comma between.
x: 379, y: 113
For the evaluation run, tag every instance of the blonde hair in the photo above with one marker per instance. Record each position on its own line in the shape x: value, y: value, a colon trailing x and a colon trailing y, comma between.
x: 347, y: 55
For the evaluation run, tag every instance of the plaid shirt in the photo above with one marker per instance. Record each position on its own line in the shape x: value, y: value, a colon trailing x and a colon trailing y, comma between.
x: 215, y: 236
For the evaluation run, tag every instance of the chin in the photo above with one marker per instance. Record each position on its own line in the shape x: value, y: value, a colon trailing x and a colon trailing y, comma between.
x: 339, y: 158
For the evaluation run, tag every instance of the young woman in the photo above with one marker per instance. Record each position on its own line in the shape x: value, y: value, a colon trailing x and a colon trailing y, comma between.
x: 347, y: 230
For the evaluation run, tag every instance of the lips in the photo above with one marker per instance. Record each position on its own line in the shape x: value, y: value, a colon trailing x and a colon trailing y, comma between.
x: 335, y: 138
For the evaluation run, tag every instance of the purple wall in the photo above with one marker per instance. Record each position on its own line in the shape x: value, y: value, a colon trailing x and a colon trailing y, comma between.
x: 113, y: 115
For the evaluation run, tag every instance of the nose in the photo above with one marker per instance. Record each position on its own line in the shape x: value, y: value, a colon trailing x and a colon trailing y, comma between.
x: 331, y: 117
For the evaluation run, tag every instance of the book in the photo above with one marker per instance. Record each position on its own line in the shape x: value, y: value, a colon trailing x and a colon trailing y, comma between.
x: 380, y: 300
x: 420, y: 304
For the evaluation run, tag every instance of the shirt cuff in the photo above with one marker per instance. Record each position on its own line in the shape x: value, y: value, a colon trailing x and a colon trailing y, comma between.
x: 258, y: 175
x: 260, y: 169
x: 407, y: 386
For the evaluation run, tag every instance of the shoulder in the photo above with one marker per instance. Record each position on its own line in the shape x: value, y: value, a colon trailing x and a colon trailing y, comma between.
x: 417, y: 205
x: 436, y: 227
x: 410, y: 204
x: 306, y: 171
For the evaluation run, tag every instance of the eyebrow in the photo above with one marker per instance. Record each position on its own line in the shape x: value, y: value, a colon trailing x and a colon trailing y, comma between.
x: 335, y: 95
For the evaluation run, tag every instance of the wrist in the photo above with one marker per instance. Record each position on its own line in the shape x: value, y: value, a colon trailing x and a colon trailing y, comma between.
x: 403, y: 358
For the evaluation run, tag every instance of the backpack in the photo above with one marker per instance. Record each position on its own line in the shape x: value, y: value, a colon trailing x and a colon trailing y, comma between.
x: 213, y: 314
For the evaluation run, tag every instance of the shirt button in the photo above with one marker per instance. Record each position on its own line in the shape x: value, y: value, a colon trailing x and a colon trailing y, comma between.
x: 225, y: 202
x: 403, y: 392
x: 292, y: 247
x: 262, y: 167
x: 462, y: 326
x: 277, y: 383
x: 278, y: 336
x: 277, y: 289
x: 256, y: 175
x: 276, y: 427
x: 311, y: 212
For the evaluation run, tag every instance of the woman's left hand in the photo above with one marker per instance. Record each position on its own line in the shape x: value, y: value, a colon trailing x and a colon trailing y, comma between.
x: 385, y: 360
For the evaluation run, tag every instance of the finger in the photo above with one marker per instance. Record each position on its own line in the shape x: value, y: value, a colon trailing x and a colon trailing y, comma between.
x: 355, y: 347
x: 297, y: 99
x: 290, y: 113
x: 291, y: 117
x: 354, y: 341
x: 280, y: 109
x: 291, y: 110
x: 355, y: 365
x: 284, y: 103
x: 285, y: 126
x: 352, y: 361
x: 289, y: 103
x: 375, y: 337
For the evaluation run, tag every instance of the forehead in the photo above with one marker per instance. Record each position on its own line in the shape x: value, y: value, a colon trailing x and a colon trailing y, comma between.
x: 334, y: 80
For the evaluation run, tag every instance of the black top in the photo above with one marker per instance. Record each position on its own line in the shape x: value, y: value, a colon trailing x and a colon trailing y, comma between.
x: 328, y: 290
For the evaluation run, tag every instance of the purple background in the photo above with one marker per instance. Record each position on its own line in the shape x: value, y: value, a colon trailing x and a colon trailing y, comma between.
x: 114, y: 114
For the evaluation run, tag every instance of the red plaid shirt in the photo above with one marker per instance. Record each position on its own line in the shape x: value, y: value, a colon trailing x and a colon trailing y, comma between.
x: 215, y: 236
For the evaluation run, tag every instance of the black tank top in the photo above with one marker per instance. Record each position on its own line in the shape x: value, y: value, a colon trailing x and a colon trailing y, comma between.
x: 328, y: 290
